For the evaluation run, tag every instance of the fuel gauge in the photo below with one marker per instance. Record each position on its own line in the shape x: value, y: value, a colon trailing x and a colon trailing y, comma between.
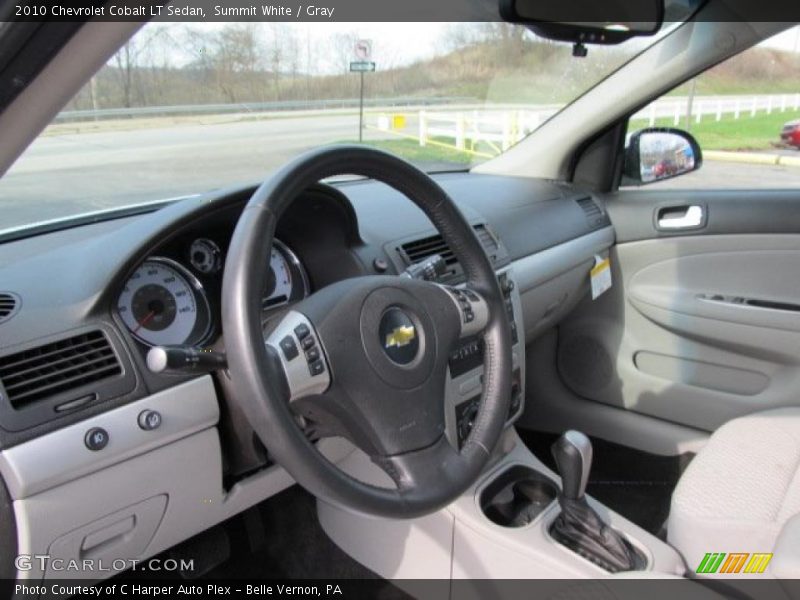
x: 205, y: 256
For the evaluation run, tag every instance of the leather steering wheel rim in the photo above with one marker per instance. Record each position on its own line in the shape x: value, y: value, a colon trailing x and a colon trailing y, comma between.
x: 427, y: 478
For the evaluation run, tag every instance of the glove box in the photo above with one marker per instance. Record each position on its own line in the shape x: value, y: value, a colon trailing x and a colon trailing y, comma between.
x: 112, y: 543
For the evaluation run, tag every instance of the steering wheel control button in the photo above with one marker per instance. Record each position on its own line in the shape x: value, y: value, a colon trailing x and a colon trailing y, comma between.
x: 149, y: 420
x: 96, y: 439
x: 398, y: 336
x: 289, y: 348
x: 316, y: 367
x: 310, y: 375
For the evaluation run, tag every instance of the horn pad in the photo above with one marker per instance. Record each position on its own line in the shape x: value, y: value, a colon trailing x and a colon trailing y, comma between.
x: 399, y: 337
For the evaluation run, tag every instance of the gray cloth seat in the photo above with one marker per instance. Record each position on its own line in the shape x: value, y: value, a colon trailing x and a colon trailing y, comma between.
x: 740, y: 490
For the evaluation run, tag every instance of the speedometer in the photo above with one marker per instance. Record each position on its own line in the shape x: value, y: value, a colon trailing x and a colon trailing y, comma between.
x: 163, y: 304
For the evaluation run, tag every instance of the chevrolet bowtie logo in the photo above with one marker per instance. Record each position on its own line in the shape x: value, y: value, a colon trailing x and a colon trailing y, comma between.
x: 401, y: 336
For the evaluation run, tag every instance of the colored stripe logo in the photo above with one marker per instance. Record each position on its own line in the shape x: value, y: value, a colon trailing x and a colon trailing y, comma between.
x: 733, y: 563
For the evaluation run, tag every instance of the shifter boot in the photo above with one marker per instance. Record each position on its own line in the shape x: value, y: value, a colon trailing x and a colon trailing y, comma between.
x: 581, y: 529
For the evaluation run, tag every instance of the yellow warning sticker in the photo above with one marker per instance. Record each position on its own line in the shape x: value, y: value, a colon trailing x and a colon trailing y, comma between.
x: 600, y: 276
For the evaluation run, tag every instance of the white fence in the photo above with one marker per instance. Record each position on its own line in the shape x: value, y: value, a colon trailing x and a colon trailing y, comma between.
x: 497, y: 129
x: 715, y: 107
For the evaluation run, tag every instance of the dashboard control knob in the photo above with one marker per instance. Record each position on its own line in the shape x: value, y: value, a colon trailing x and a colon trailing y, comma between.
x: 149, y: 420
x: 96, y: 439
x: 380, y: 265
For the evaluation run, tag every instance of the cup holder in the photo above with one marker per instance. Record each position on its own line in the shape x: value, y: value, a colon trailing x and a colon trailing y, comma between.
x: 517, y: 496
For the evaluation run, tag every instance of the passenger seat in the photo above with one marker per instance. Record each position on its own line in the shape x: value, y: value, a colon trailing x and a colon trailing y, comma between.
x: 740, y: 491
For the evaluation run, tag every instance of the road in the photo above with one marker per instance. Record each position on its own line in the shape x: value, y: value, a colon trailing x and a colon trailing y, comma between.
x: 730, y: 175
x: 68, y: 173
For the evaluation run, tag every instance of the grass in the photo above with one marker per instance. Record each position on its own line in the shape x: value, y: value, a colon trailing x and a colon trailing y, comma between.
x: 761, y: 132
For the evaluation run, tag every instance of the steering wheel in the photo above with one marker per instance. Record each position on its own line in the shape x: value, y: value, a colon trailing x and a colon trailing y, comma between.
x: 366, y: 358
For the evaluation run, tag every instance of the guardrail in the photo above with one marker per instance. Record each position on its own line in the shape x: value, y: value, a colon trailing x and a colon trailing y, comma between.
x: 69, y: 116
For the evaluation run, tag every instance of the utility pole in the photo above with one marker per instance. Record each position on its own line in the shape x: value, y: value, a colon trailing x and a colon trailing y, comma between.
x: 361, y: 110
x: 93, y: 94
x: 690, y: 102
x: 362, y: 54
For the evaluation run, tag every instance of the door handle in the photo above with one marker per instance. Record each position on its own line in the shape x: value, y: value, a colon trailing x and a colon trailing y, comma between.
x: 680, y: 217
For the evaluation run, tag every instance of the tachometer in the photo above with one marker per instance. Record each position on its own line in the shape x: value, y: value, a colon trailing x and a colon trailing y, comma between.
x: 163, y: 304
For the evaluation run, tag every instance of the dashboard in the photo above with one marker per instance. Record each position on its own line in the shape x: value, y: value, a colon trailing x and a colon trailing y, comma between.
x: 120, y: 286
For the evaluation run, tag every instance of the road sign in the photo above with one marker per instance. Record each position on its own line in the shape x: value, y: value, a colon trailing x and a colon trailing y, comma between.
x: 362, y: 66
x: 363, y: 50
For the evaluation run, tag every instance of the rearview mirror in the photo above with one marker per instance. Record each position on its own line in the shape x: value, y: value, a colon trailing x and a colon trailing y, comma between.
x: 601, y: 22
x: 659, y: 153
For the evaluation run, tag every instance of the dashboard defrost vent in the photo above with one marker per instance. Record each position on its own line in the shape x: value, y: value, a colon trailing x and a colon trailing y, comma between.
x: 594, y: 214
x: 419, y: 250
x: 9, y: 305
x: 44, y: 371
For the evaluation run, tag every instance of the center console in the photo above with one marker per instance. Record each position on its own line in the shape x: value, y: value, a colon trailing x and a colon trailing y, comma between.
x: 465, y: 375
x: 506, y: 525
x: 499, y: 528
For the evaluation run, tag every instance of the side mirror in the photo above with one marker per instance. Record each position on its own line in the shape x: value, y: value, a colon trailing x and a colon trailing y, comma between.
x: 659, y: 153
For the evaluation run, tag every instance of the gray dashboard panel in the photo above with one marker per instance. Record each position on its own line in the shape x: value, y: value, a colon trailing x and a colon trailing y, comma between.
x: 62, y: 456
x: 529, y: 215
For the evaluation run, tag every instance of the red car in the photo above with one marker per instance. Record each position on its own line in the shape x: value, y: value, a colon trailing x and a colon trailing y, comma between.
x: 665, y: 168
x: 790, y: 134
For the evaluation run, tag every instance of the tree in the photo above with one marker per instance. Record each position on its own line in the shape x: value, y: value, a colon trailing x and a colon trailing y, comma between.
x: 342, y: 44
x: 234, y: 56
x: 124, y: 60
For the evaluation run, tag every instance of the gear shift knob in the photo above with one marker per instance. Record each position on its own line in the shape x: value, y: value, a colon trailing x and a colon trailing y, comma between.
x: 573, y: 455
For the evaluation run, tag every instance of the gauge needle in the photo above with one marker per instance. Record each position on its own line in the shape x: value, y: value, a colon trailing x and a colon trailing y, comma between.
x: 144, y: 321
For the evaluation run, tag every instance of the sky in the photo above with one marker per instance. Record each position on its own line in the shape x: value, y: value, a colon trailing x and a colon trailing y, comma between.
x: 788, y: 40
x: 398, y: 44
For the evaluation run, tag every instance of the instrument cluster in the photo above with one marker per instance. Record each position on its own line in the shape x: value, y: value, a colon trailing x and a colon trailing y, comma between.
x: 169, y: 302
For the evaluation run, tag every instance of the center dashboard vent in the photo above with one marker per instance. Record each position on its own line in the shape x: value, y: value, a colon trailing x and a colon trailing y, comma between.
x: 417, y: 250
x: 41, y: 372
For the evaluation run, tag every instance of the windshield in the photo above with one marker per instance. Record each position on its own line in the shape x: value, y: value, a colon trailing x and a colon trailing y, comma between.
x: 184, y: 109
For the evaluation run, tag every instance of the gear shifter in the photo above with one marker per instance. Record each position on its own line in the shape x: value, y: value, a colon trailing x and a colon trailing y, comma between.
x: 573, y: 454
x: 579, y: 527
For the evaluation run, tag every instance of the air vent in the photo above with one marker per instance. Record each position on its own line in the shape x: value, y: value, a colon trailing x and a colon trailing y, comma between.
x: 419, y: 250
x: 589, y: 207
x: 594, y: 214
x: 9, y: 304
x: 488, y: 241
x: 57, y: 367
